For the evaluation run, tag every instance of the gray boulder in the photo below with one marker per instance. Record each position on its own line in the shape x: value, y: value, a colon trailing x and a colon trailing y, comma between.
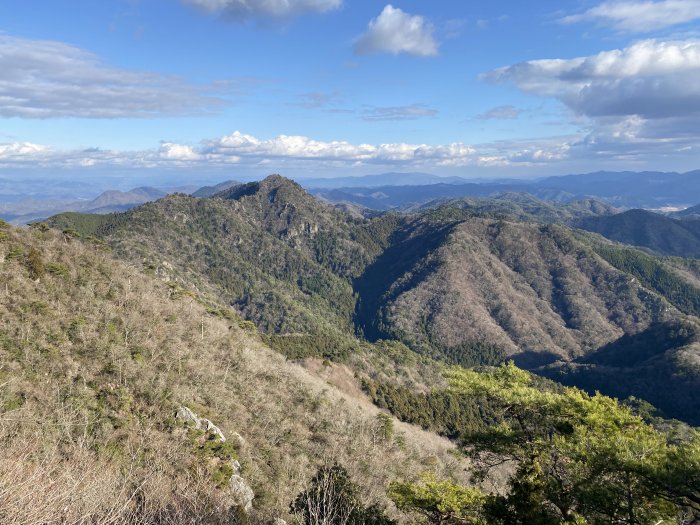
x: 188, y: 416
x: 241, y: 493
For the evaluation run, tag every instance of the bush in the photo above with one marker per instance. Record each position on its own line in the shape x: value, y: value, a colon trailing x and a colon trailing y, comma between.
x: 332, y: 500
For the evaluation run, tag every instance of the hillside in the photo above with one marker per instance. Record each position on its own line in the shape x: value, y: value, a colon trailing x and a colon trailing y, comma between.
x: 665, y: 354
x: 97, y: 360
x: 524, y: 207
x: 531, y: 292
x: 449, y: 282
x: 280, y: 257
x: 658, y: 233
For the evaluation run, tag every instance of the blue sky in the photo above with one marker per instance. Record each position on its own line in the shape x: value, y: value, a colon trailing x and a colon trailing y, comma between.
x: 201, y: 90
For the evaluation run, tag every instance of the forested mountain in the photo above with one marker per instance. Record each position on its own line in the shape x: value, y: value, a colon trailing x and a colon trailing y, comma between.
x: 523, y: 207
x: 660, y: 234
x: 455, y: 282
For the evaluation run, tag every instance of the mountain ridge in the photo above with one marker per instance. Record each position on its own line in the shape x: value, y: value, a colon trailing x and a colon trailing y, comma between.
x: 313, y: 278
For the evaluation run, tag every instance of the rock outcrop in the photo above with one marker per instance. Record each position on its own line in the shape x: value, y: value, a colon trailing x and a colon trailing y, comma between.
x: 242, y: 494
x: 188, y: 416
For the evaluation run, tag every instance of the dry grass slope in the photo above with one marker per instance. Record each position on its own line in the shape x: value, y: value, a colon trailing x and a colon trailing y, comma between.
x: 96, y: 357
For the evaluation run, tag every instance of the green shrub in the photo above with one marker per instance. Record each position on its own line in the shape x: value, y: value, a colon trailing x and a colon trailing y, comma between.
x: 57, y: 269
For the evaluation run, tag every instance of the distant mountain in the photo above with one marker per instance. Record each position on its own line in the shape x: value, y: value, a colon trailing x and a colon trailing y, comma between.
x: 631, y: 189
x: 406, y: 196
x: 622, y: 190
x: 661, y: 234
x: 208, y: 191
x: 383, y: 179
x: 114, y: 198
x: 523, y: 207
x: 107, y: 202
x: 689, y: 213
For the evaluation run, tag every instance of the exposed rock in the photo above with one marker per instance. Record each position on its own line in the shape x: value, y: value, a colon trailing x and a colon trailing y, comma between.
x: 279, y: 521
x: 241, y: 493
x: 212, y: 428
x: 189, y: 416
x: 236, y: 466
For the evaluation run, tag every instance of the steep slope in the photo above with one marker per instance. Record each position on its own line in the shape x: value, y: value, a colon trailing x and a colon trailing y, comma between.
x: 523, y: 290
x: 660, y: 365
x: 661, y: 234
x: 270, y: 250
x: 97, y: 359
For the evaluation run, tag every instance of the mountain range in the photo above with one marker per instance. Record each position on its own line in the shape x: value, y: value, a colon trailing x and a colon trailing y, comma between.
x: 461, y: 284
x: 403, y: 191
x: 651, y: 190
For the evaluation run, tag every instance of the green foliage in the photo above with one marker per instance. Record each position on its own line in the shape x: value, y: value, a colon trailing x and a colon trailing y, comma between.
x: 386, y: 426
x: 57, y: 269
x: 84, y: 224
x: 442, y: 502
x: 332, y: 499
x: 578, y: 457
x: 447, y: 413
x: 653, y: 274
x: 15, y: 253
x: 248, y: 326
x: 327, y: 345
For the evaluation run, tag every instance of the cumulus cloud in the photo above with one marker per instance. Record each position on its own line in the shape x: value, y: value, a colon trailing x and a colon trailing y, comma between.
x: 395, y: 31
x: 411, y: 112
x: 650, y: 81
x: 501, y: 113
x: 47, y: 79
x: 283, y: 151
x: 242, y: 149
x: 639, y: 16
x: 172, y: 151
x: 635, y: 102
x: 242, y: 10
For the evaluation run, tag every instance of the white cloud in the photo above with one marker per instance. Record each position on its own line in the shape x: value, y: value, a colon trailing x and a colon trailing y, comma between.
x: 48, y: 79
x: 238, y: 148
x: 640, y: 16
x: 411, y: 112
x: 241, y: 10
x: 172, y: 151
x: 19, y: 150
x: 650, y: 79
x: 638, y: 101
x: 395, y: 31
